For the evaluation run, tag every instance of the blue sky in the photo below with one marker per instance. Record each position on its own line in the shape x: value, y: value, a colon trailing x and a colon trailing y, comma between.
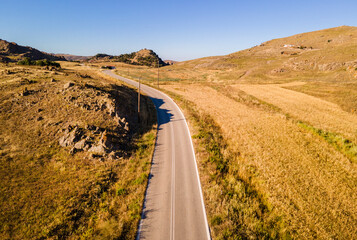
x: 178, y: 30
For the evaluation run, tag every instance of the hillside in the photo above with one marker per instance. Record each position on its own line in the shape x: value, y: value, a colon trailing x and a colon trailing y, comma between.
x: 11, y: 52
x: 319, y: 52
x: 144, y: 57
x: 74, y: 160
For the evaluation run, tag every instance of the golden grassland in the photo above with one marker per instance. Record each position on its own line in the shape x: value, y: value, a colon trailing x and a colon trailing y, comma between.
x: 305, y: 180
x: 48, y: 193
x: 275, y: 134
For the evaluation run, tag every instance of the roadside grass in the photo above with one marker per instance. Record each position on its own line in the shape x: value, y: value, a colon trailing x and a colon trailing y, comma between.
x: 291, y: 167
x: 48, y: 193
x: 236, y: 209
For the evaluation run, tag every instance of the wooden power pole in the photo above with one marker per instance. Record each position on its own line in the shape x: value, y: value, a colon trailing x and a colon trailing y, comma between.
x: 158, y: 76
x: 139, y: 99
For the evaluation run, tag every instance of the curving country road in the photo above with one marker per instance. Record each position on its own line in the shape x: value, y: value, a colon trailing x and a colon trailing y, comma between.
x: 173, y: 206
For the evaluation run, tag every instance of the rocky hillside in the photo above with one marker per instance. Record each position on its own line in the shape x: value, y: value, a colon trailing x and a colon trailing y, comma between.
x: 11, y: 52
x: 144, y: 57
x: 71, y: 150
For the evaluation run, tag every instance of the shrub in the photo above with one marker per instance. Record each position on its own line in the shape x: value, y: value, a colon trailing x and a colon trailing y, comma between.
x: 44, y: 62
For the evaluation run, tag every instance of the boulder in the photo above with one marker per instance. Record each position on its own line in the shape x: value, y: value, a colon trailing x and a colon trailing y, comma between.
x: 98, y: 149
x: 70, y: 137
x: 80, y: 145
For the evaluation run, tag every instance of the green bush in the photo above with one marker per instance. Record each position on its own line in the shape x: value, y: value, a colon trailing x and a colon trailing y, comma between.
x: 44, y: 62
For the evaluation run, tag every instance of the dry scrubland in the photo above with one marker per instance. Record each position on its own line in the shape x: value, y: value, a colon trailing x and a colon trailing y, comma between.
x: 50, y: 190
x: 275, y: 128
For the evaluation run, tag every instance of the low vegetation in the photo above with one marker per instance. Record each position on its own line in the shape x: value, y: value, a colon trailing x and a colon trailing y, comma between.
x: 236, y: 208
x: 27, y: 61
x: 343, y: 145
x: 51, y: 189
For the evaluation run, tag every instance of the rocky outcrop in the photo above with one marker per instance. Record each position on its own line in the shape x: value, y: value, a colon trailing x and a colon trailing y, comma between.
x: 99, y: 142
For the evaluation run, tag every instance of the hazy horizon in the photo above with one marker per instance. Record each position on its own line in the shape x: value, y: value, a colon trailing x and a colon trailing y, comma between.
x: 174, y: 30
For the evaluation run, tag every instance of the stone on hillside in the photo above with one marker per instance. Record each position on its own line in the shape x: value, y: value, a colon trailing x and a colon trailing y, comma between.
x: 81, y: 144
x: 70, y: 137
x: 98, y: 149
x: 126, y: 127
x: 68, y: 85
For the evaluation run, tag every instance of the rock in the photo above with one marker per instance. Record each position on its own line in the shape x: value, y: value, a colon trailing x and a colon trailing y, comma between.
x: 68, y: 85
x: 112, y: 156
x: 70, y: 137
x: 53, y: 80
x: 126, y: 127
x: 72, y: 151
x: 90, y: 127
x: 98, y: 149
x: 81, y: 144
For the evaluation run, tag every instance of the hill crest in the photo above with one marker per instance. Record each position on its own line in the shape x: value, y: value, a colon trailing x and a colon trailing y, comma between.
x: 328, y: 50
x: 144, y: 57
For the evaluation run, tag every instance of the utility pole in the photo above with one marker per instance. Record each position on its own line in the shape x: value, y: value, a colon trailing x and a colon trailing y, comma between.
x: 139, y: 100
x: 158, y: 76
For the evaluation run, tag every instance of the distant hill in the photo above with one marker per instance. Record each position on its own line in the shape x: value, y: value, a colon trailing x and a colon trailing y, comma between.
x: 144, y: 57
x: 70, y: 57
x: 11, y: 52
x: 331, y: 50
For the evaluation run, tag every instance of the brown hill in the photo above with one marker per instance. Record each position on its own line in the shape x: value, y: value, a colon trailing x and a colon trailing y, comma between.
x: 323, y: 51
x: 70, y: 57
x: 11, y: 52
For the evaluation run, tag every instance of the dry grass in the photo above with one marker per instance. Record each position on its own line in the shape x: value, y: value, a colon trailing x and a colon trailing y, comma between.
x: 277, y: 159
x: 319, y: 113
x: 305, y: 180
x: 341, y: 93
x: 46, y: 192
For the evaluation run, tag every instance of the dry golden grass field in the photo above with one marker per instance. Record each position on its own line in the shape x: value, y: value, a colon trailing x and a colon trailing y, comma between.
x: 275, y: 129
x: 53, y: 191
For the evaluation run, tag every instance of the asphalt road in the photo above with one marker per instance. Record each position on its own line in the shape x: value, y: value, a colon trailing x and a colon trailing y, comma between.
x: 173, y: 207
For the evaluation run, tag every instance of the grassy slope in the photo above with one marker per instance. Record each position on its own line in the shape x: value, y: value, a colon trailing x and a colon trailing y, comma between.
x: 45, y: 191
